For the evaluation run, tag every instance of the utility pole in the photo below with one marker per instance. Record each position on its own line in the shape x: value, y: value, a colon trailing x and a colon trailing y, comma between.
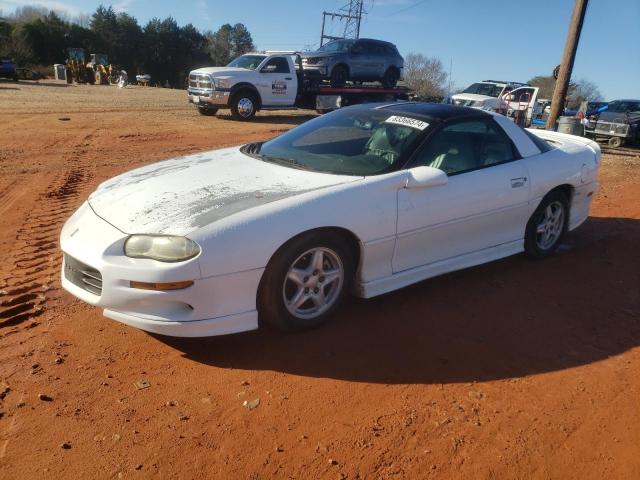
x: 568, y: 57
x: 351, y: 14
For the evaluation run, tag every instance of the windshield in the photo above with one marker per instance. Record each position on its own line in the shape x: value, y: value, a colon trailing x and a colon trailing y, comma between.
x: 624, y: 106
x: 337, y: 46
x: 247, y: 61
x: 487, y: 89
x: 347, y: 142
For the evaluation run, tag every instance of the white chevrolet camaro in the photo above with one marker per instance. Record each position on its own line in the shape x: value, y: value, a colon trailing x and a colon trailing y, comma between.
x: 366, y: 199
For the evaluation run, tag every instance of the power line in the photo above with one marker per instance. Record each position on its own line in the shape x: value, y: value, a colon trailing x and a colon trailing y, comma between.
x: 406, y: 8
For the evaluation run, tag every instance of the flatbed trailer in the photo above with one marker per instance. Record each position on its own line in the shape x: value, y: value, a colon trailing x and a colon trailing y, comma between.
x: 323, y: 98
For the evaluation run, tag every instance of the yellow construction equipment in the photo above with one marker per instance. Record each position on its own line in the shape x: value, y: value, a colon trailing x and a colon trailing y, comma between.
x: 98, y: 70
x: 103, y: 72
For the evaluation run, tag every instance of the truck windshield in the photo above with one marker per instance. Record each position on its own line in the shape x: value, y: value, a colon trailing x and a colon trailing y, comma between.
x: 487, y: 89
x: 345, y: 142
x: 250, y: 62
x: 337, y: 46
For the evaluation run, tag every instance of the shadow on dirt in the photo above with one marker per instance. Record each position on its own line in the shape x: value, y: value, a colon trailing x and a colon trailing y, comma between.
x: 272, y: 119
x: 42, y: 83
x: 510, y: 318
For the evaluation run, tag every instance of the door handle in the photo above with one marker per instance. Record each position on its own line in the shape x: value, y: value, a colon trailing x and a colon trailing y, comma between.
x: 288, y: 78
x: 518, y: 182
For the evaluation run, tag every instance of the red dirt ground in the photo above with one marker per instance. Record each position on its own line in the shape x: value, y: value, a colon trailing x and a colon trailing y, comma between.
x: 516, y: 369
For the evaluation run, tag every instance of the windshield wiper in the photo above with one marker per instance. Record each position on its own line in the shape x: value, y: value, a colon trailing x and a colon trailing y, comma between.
x: 287, y: 161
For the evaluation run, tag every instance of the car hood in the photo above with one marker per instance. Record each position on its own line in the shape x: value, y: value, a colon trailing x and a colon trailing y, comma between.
x: 321, y: 54
x: 221, y: 70
x: 472, y: 96
x: 181, y: 195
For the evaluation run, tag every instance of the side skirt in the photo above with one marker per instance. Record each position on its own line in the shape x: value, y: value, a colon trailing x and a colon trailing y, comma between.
x: 417, y: 274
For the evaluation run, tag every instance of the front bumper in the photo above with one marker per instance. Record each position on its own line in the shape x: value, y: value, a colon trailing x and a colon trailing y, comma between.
x: 214, y: 305
x: 213, y: 98
x: 316, y: 71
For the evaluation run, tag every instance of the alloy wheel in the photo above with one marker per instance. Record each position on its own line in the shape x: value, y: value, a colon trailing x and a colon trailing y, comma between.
x: 313, y: 283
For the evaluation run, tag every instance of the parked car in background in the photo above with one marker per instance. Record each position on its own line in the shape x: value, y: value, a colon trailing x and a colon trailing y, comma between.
x: 515, y: 100
x: 8, y: 69
x: 618, y: 122
x: 363, y: 60
x: 369, y: 199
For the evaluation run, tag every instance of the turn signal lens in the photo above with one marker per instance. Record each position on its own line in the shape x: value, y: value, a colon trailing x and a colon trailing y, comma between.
x: 162, y: 286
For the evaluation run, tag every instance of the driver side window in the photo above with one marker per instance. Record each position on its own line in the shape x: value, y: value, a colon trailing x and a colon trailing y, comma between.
x: 276, y: 65
x: 465, y: 146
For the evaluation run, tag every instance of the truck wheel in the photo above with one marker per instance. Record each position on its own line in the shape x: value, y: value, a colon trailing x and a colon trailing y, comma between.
x: 390, y: 79
x: 207, y: 111
x: 615, y: 142
x: 339, y: 76
x: 243, y: 106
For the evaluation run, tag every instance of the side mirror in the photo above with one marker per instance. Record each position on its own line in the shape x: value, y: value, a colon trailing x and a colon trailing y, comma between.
x: 423, y: 177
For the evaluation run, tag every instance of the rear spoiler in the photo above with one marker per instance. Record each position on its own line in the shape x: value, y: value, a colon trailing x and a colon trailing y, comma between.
x: 564, y: 139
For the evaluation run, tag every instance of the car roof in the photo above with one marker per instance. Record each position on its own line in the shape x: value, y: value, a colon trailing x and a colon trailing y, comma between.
x: 433, y: 111
x: 374, y: 40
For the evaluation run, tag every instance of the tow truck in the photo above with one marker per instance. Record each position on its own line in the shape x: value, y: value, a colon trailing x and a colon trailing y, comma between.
x: 275, y: 81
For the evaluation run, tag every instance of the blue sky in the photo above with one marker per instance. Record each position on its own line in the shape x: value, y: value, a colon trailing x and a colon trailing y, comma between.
x: 500, y: 39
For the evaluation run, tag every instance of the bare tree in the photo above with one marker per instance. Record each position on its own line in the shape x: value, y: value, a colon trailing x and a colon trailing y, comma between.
x: 425, y: 76
x: 579, y: 91
x: 584, y: 90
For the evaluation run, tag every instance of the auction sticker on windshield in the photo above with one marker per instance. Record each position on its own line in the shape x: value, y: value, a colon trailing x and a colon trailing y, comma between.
x: 407, y: 122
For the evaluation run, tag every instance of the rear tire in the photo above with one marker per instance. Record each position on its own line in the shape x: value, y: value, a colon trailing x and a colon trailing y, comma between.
x: 305, y: 281
x: 208, y: 112
x: 547, y: 225
x: 339, y: 76
x: 391, y: 77
x: 243, y: 106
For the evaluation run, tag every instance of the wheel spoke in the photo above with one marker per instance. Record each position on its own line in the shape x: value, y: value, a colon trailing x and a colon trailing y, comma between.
x: 331, y: 276
x: 542, y: 227
x: 296, y: 276
x: 298, y: 299
x: 319, y: 299
x: 317, y: 260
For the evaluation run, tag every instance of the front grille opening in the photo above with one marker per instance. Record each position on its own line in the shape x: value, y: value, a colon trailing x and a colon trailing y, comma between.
x: 199, y: 81
x: 82, y: 275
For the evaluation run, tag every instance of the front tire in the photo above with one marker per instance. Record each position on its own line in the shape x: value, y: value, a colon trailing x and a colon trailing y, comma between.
x: 209, y: 112
x: 339, y: 76
x: 547, y: 225
x: 615, y: 142
x: 390, y: 79
x: 305, y: 281
x: 243, y: 106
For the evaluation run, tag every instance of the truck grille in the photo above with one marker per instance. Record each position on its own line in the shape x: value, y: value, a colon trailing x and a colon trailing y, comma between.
x: 310, y: 61
x: 82, y: 275
x: 197, y: 80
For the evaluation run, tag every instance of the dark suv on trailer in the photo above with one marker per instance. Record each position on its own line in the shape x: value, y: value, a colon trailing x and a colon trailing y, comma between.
x: 363, y: 60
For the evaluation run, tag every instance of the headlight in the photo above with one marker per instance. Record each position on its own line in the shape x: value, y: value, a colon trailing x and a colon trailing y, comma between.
x: 221, y: 83
x: 164, y: 248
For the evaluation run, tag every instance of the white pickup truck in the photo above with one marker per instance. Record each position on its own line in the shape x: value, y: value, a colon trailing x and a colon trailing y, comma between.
x: 516, y: 100
x: 273, y: 81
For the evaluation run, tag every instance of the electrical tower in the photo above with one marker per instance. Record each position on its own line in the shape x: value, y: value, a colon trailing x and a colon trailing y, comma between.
x: 350, y: 15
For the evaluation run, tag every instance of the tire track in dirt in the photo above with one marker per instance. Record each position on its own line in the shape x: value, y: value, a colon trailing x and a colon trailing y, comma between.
x: 35, y: 261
